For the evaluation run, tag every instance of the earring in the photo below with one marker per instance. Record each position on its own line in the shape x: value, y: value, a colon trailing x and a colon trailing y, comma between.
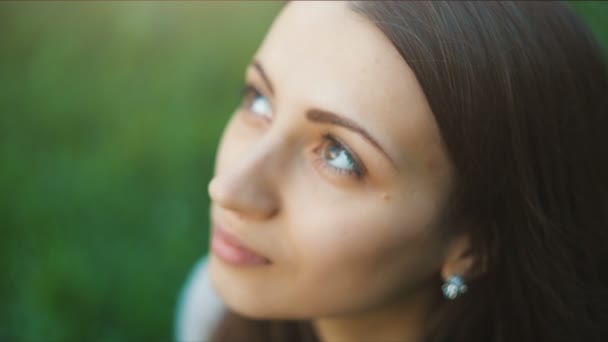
x: 453, y: 287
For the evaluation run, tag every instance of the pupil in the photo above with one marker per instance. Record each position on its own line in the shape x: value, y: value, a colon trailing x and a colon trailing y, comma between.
x: 334, y: 152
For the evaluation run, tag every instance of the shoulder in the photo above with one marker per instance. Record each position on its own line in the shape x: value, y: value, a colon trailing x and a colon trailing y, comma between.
x: 198, y: 308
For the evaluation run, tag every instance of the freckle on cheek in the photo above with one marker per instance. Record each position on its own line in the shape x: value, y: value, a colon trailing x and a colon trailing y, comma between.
x: 386, y: 197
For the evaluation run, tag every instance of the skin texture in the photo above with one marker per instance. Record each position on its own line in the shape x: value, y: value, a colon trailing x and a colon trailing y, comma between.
x: 357, y: 255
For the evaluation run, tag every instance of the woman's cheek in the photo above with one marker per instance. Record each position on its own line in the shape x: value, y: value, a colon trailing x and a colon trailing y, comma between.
x: 341, y: 234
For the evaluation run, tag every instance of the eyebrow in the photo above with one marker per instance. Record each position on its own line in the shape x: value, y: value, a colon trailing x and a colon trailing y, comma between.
x: 323, y: 116
x: 326, y: 117
x: 260, y: 70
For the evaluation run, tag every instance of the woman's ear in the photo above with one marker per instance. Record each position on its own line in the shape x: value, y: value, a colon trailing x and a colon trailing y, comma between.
x: 459, y: 258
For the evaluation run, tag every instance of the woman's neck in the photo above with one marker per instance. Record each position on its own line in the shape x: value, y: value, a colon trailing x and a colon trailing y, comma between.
x: 401, y: 320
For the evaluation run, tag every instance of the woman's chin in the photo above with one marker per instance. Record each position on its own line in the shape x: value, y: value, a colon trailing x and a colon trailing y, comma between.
x: 240, y: 299
x: 253, y: 312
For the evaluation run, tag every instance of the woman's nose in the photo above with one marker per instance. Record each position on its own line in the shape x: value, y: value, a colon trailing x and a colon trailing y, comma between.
x: 248, y: 188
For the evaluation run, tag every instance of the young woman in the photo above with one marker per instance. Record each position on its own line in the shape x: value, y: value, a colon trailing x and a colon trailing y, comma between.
x: 413, y: 171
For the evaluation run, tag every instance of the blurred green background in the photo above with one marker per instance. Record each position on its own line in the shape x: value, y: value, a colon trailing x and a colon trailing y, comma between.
x: 110, y: 113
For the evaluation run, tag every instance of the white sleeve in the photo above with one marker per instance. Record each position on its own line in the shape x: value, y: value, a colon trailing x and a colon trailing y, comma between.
x: 198, y: 308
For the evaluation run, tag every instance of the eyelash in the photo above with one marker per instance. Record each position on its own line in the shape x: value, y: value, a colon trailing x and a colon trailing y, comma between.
x: 358, y: 171
x: 249, y: 92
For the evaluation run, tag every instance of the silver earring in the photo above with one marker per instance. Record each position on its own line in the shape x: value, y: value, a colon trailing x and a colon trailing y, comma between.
x: 453, y: 287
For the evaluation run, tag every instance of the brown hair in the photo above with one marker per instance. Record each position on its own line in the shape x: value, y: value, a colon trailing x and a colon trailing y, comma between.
x: 519, y: 91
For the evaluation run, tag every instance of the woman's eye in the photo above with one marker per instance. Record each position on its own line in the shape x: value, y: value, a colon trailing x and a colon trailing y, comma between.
x: 255, y: 102
x: 338, y: 158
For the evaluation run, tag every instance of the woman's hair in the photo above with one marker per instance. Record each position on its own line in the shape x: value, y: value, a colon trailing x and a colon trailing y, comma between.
x: 519, y: 91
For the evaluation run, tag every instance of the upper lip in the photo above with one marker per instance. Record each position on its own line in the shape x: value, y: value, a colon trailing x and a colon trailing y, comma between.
x: 233, y: 239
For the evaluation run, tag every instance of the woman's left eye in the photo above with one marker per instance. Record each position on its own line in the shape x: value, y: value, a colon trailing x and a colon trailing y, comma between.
x: 338, y: 158
x: 255, y: 102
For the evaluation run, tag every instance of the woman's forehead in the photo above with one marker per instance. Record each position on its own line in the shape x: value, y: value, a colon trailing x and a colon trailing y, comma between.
x: 325, y: 55
x: 330, y: 46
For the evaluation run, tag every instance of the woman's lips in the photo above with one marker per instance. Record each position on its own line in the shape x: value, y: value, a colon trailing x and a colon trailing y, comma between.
x: 231, y: 250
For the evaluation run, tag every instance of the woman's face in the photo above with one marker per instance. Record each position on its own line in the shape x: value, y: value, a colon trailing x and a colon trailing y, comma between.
x: 332, y: 169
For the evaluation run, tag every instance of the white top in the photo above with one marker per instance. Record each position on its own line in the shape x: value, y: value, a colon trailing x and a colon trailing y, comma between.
x: 198, y: 307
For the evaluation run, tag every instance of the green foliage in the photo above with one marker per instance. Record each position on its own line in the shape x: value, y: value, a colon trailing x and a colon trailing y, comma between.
x: 595, y: 14
x: 110, y: 114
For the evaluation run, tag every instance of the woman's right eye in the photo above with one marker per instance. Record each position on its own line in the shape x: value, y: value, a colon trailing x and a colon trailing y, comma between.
x: 255, y: 102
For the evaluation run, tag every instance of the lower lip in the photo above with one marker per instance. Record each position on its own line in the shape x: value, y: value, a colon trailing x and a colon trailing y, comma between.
x: 232, y: 253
